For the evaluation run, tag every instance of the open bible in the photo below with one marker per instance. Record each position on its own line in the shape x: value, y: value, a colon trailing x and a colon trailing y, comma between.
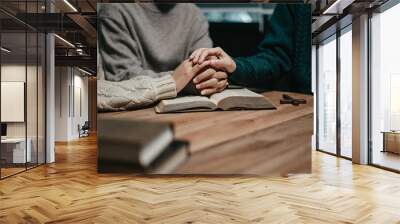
x: 229, y: 99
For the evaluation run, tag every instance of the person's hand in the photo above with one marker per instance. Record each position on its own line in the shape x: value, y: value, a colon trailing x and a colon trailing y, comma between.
x: 185, y: 72
x: 210, y: 81
x: 222, y: 62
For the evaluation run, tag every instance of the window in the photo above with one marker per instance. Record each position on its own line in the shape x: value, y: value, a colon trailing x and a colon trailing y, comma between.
x: 22, y: 77
x: 385, y: 89
x: 346, y: 92
x: 327, y: 96
x: 334, y: 106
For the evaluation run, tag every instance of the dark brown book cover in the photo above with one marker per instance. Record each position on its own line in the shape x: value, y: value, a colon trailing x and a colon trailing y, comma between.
x: 129, y: 141
x: 172, y: 156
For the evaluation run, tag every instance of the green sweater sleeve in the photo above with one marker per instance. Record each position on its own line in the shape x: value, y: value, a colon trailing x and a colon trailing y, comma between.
x: 274, y: 56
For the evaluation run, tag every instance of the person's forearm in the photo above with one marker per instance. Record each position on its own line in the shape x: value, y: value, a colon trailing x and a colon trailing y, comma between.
x: 181, y: 80
x: 275, y: 53
x: 258, y: 71
x: 134, y: 93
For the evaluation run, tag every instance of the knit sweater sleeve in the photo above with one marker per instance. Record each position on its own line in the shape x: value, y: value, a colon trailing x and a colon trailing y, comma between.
x: 134, y: 93
x: 274, y: 55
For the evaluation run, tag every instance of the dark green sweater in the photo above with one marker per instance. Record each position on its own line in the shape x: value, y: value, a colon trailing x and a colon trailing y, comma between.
x: 283, y: 59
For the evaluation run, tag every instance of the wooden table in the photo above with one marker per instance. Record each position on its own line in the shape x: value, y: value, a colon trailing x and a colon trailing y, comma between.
x: 391, y: 141
x: 257, y: 142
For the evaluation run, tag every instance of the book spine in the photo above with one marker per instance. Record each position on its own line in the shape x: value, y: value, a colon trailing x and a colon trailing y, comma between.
x: 118, y: 152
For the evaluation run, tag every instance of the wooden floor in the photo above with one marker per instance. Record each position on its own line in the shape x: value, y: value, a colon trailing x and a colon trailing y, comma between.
x: 70, y: 191
x: 386, y: 159
x: 5, y: 172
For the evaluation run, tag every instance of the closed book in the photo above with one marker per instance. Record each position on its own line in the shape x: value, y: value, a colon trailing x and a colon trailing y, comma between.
x: 127, y: 141
x: 175, y: 154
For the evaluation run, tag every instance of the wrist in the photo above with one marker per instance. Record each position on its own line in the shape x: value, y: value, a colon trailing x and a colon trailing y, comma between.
x: 180, y: 80
x: 232, y: 66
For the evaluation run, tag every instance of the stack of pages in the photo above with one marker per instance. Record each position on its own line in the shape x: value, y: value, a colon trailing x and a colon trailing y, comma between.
x: 229, y: 99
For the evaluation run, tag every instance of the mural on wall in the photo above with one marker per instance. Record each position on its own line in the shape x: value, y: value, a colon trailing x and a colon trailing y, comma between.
x: 166, y: 101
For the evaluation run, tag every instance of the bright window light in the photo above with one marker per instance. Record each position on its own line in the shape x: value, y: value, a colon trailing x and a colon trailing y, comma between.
x: 65, y: 41
x: 84, y: 71
x: 70, y: 5
x: 5, y: 50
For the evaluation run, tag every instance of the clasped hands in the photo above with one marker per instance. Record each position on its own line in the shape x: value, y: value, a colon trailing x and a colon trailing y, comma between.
x: 208, y: 68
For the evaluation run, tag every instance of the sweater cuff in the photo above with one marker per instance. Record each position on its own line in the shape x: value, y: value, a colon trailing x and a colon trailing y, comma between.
x: 235, y: 76
x: 165, y: 87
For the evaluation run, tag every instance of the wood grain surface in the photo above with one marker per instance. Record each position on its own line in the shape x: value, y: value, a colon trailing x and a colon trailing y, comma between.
x: 261, y: 142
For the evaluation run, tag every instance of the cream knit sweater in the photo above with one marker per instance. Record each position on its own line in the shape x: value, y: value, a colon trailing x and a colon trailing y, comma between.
x: 133, y: 93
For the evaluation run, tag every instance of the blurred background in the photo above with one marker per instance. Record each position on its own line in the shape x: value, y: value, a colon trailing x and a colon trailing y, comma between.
x: 233, y: 25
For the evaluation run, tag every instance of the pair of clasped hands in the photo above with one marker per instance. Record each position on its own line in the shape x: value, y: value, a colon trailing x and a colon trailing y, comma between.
x: 208, y: 68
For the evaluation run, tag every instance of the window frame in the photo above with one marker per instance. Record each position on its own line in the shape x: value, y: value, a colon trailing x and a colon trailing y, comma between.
x: 378, y: 10
x: 339, y: 32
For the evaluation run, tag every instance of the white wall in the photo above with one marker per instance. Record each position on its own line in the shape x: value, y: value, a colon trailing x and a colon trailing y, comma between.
x: 13, y: 101
x: 33, y: 126
x: 79, y: 117
x: 70, y: 83
x: 14, y: 72
x: 17, y: 72
x: 61, y: 103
